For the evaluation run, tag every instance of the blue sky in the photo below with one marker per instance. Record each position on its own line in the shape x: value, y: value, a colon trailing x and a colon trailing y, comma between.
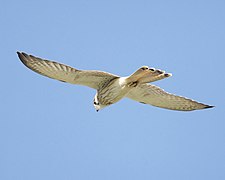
x: 50, y: 130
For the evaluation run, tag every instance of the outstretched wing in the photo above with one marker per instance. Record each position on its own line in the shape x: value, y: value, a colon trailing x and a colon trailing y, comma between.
x: 153, y: 95
x: 61, y: 72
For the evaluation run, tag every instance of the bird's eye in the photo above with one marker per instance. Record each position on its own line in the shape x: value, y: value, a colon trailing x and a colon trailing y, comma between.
x: 95, y: 103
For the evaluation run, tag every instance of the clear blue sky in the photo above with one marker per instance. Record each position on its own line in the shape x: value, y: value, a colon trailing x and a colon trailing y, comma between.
x: 50, y: 130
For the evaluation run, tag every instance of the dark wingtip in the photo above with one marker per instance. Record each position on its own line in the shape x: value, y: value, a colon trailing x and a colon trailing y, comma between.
x: 23, y: 57
x: 209, y: 107
x: 19, y: 55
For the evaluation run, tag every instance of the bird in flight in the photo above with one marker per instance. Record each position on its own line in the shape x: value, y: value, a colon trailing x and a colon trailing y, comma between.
x: 112, y: 88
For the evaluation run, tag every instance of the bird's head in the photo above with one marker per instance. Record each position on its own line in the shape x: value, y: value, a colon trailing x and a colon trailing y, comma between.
x: 97, y: 105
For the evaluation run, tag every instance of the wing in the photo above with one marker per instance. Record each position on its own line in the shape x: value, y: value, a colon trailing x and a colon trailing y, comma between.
x: 153, y: 95
x: 61, y: 72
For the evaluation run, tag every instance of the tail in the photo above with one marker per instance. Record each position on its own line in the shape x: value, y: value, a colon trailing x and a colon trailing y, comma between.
x: 147, y: 75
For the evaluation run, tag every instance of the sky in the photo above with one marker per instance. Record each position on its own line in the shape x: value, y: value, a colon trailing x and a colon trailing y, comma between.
x: 50, y: 130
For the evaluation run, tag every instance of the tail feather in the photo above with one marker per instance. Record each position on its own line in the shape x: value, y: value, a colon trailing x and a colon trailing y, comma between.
x: 147, y: 75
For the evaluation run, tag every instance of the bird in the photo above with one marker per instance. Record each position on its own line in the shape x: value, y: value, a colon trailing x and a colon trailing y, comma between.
x: 112, y: 88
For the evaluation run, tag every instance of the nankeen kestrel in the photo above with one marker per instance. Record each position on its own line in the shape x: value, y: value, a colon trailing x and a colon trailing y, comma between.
x: 112, y: 88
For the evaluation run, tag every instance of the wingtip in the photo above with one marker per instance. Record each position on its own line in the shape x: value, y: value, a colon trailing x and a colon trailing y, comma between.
x: 21, y: 53
x: 206, y: 107
x: 23, y: 57
x: 18, y: 53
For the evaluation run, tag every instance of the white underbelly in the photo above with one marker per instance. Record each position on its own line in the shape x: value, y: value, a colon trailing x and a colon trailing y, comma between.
x: 113, y: 92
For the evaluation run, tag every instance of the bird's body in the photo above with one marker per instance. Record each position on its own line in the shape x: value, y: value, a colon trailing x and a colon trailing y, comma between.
x: 112, y: 88
x: 112, y: 92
